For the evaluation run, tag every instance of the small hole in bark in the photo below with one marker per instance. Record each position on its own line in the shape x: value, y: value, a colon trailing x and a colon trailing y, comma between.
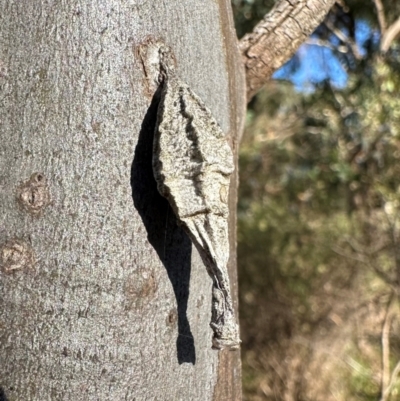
x: 172, y: 317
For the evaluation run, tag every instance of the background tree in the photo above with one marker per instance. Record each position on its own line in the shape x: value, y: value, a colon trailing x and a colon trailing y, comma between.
x: 318, y: 215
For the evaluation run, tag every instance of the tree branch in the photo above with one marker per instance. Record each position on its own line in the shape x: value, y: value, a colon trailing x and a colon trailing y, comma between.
x: 277, y: 36
x: 388, y: 381
x: 390, y: 35
x: 392, y: 382
x: 360, y: 257
x: 346, y: 40
x: 396, y: 253
x: 385, y: 376
x: 381, y: 15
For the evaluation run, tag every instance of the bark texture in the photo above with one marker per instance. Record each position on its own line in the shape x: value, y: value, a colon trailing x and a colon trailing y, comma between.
x: 277, y: 36
x: 102, y: 295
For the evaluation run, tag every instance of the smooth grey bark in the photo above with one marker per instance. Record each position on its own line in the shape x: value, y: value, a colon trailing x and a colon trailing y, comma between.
x: 102, y: 295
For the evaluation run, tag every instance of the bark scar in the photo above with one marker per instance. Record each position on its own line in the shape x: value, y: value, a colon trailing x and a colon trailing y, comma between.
x: 34, y: 195
x: 16, y: 254
x: 149, y: 53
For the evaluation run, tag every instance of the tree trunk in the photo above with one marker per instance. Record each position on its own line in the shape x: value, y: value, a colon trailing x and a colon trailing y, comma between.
x: 102, y: 295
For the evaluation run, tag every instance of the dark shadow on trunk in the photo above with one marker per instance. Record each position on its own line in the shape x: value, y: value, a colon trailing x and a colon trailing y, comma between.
x: 3, y: 396
x: 171, y: 243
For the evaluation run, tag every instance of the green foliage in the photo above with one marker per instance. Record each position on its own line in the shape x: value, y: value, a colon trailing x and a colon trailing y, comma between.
x: 318, y: 235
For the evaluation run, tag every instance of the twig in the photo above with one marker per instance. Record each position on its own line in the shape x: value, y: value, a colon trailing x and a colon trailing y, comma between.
x: 381, y: 15
x: 341, y: 252
x: 357, y: 248
x: 392, y: 382
x: 350, y: 362
x: 390, y: 35
x: 320, y: 43
x: 385, y: 379
x: 396, y: 253
x: 345, y: 39
x: 327, y: 44
x: 364, y: 260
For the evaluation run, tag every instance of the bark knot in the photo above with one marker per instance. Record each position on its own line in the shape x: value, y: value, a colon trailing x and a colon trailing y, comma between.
x: 16, y: 254
x: 139, y: 288
x: 155, y: 57
x: 34, y: 195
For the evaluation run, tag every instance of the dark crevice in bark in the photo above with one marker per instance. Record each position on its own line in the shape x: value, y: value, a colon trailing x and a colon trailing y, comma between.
x: 171, y: 243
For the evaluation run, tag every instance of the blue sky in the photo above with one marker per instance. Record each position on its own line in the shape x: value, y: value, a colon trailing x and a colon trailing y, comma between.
x: 313, y: 63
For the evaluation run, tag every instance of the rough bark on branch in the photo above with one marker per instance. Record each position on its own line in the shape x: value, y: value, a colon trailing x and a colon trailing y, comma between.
x: 275, y: 39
